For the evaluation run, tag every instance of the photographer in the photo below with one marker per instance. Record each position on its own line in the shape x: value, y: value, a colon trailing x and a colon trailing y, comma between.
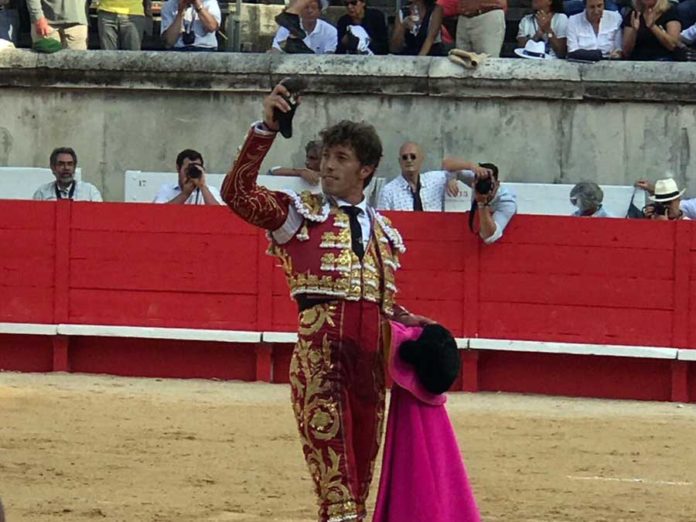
x: 192, y: 188
x: 495, y: 204
x: 666, y: 200
x: 190, y: 25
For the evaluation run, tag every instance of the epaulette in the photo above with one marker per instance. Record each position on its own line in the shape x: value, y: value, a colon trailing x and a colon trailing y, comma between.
x: 313, y: 207
x: 394, y: 237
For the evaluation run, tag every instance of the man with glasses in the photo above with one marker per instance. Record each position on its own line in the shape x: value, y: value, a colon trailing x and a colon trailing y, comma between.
x: 63, y: 162
x: 413, y: 190
x: 371, y: 20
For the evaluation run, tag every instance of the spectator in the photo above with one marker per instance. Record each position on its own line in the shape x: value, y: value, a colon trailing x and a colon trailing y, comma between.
x: 546, y: 24
x: 496, y: 204
x: 651, y: 30
x: 688, y: 35
x: 688, y: 206
x: 417, y: 29
x: 588, y: 197
x: 481, y: 26
x: 63, y: 162
x: 190, y: 25
x: 413, y: 190
x: 372, y: 20
x: 310, y: 172
x: 666, y: 201
x: 573, y: 7
x: 9, y: 20
x: 122, y: 24
x: 595, y: 30
x: 61, y: 20
x: 321, y: 37
x: 191, y: 189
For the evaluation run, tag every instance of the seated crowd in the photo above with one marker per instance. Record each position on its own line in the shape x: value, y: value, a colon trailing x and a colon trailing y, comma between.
x: 492, y: 204
x: 577, y: 29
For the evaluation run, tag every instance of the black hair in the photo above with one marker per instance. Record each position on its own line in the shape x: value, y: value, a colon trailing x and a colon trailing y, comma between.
x: 361, y: 137
x: 190, y: 154
x: 490, y: 166
x: 62, y: 150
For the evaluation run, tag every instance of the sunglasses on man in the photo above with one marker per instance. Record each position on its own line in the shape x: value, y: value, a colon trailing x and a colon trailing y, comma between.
x: 350, y: 2
x: 407, y: 157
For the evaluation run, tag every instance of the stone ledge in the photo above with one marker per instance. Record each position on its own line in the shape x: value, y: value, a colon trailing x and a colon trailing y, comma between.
x: 382, y: 75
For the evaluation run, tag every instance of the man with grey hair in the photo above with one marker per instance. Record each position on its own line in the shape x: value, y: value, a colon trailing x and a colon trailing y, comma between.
x: 587, y: 196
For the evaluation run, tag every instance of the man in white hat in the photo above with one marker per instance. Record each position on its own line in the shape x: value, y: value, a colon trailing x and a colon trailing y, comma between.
x: 666, y: 200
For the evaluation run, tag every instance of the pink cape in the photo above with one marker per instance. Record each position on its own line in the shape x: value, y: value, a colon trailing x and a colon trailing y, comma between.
x: 423, y: 476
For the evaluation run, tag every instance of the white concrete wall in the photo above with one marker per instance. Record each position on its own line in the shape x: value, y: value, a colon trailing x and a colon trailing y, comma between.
x: 543, y: 122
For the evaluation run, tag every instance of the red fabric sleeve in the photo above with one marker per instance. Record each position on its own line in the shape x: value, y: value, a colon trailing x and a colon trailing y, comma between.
x: 253, y: 203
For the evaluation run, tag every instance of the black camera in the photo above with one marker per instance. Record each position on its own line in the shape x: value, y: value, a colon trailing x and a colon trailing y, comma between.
x: 486, y: 186
x: 659, y: 209
x: 189, y: 37
x: 194, y: 171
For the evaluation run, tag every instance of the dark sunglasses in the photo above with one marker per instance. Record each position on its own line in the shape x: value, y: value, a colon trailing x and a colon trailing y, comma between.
x: 407, y: 157
x: 350, y: 2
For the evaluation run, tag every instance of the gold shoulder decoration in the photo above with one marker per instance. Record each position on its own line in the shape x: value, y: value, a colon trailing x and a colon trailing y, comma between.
x: 392, y: 234
x: 312, y: 207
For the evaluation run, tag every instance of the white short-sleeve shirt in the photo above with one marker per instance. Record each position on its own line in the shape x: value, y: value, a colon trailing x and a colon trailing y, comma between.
x: 192, y: 20
x: 83, y: 192
x: 323, y: 40
x: 397, y: 194
x: 528, y: 28
x: 169, y: 191
x: 581, y: 34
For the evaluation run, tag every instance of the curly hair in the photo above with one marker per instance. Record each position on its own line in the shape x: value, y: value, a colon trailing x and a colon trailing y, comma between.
x: 361, y: 137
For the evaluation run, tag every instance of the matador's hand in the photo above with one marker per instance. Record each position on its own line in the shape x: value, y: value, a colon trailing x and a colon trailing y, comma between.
x: 275, y: 100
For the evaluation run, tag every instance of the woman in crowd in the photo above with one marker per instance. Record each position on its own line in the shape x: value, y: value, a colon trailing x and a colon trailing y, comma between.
x: 595, y: 30
x: 417, y: 29
x: 547, y: 23
x: 651, y: 30
x: 372, y: 20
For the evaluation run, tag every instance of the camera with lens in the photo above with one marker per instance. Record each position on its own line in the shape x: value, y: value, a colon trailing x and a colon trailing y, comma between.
x: 194, y: 171
x: 486, y: 186
x: 659, y: 209
x: 189, y: 37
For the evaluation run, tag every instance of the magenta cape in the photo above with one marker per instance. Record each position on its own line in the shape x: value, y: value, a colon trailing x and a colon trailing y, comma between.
x: 423, y: 476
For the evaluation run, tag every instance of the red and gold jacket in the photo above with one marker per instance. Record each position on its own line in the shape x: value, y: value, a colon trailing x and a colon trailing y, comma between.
x: 317, y: 258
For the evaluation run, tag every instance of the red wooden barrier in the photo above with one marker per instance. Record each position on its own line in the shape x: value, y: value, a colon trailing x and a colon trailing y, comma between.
x: 615, y: 282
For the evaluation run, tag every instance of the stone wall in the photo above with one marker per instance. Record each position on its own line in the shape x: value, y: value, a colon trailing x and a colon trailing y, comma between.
x: 542, y: 122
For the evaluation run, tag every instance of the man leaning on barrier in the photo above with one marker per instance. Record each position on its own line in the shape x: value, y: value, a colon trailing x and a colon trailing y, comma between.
x: 495, y: 204
x: 339, y: 256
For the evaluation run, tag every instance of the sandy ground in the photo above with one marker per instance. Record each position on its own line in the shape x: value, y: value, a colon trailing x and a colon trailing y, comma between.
x: 79, y: 447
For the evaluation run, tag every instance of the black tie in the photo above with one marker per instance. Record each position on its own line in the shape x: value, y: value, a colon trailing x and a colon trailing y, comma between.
x: 417, y: 202
x: 355, y: 230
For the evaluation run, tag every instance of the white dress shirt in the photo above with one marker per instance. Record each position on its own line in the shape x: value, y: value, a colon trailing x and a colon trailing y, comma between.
x: 169, y: 191
x: 83, y: 192
x: 528, y: 28
x: 323, y: 40
x: 397, y: 194
x: 581, y: 34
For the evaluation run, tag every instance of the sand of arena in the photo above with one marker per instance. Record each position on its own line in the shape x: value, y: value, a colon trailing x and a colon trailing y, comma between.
x: 84, y: 447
